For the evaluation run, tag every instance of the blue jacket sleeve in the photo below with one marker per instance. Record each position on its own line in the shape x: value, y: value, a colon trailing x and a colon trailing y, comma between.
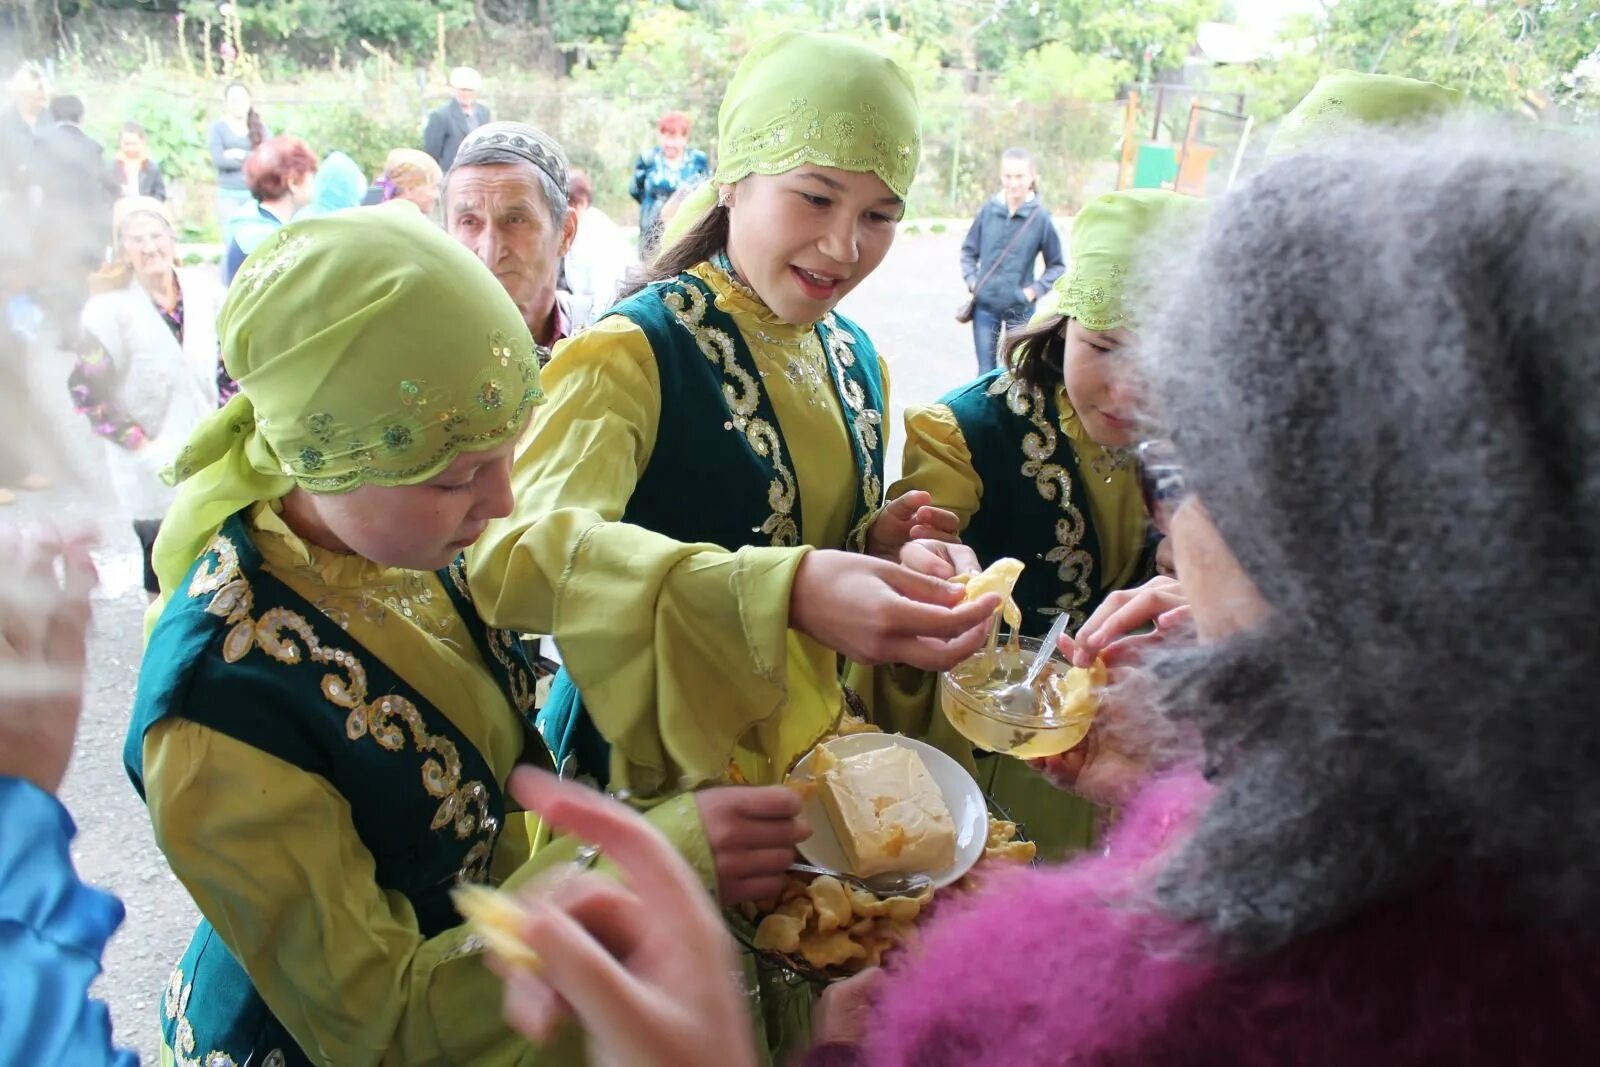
x: 971, y: 250
x: 1055, y: 264
x: 53, y: 929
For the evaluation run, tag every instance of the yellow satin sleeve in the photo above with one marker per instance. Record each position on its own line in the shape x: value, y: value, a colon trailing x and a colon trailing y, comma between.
x: 272, y: 859
x: 937, y: 461
x: 682, y: 652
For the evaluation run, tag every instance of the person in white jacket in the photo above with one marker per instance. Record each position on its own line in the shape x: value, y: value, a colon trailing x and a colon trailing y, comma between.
x: 600, y: 256
x: 147, y: 368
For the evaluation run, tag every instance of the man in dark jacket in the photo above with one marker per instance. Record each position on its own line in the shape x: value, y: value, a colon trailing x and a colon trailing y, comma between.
x: 450, y: 124
x: 75, y: 216
x: 20, y: 125
x: 1010, y: 234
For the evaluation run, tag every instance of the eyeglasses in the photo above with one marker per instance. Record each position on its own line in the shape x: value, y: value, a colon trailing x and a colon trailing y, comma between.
x: 1161, y: 481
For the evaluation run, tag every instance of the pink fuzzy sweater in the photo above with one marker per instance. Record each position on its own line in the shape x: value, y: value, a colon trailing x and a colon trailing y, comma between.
x: 1065, y: 966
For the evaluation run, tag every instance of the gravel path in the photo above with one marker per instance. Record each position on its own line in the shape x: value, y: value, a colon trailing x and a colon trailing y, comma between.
x: 906, y: 306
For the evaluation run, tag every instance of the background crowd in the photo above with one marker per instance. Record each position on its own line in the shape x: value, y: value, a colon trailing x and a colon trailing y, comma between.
x: 1324, y: 847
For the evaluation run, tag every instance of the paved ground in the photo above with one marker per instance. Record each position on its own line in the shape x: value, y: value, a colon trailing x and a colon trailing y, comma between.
x: 906, y: 306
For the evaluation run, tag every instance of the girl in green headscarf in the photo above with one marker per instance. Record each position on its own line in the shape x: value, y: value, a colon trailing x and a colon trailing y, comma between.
x: 1034, y: 461
x: 699, y: 519
x: 324, y: 725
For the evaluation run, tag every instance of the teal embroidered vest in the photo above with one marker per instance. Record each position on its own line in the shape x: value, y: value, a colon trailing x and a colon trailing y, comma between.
x: 240, y: 652
x: 1035, y: 501
x: 721, y: 471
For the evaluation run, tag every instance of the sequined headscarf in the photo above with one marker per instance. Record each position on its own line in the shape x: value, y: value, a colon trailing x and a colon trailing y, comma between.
x: 1348, y: 98
x: 370, y: 349
x: 1106, y: 237
x: 801, y: 98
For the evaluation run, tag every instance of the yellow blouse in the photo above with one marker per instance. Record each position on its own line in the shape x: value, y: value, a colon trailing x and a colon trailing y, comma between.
x: 270, y: 855
x: 683, y: 652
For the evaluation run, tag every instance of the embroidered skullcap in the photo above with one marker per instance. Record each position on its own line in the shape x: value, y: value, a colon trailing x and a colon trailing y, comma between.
x: 466, y: 78
x: 514, y: 142
x: 1348, y: 98
x: 1106, y: 236
x: 370, y: 348
x: 801, y: 98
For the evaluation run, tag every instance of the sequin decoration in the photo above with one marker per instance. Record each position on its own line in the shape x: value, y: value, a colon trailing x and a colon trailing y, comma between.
x: 850, y: 140
x: 863, y: 420
x: 1053, y: 481
x: 175, y: 1006
x: 267, y: 266
x: 390, y: 720
x: 1097, y: 303
x: 743, y: 395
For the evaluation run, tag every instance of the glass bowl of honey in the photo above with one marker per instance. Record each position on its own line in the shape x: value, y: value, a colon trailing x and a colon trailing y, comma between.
x: 1062, y: 707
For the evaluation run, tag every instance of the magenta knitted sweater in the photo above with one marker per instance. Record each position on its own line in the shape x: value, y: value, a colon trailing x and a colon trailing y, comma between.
x: 1073, y: 965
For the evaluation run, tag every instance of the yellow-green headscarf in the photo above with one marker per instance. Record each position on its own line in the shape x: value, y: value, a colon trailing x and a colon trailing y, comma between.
x: 801, y: 98
x: 1106, y: 236
x: 1349, y: 98
x: 370, y: 349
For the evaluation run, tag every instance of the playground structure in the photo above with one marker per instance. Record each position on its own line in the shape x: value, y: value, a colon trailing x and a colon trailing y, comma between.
x: 1211, y: 131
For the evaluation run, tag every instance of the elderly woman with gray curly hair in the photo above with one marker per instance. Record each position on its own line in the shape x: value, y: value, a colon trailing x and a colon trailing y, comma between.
x: 1371, y: 830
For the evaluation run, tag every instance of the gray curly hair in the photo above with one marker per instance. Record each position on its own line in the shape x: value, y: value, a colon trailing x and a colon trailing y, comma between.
x: 1383, y: 373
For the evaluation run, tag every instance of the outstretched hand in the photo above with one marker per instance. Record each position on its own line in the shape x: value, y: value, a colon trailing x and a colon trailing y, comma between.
x: 908, y: 517
x: 645, y: 966
x: 44, y: 625
x: 874, y: 611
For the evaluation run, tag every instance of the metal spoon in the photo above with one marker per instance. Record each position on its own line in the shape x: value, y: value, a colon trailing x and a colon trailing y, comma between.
x: 879, y: 885
x: 1017, y: 700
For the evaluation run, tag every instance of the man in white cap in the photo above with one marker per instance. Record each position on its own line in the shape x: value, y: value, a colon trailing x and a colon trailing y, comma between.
x: 508, y: 199
x: 450, y: 124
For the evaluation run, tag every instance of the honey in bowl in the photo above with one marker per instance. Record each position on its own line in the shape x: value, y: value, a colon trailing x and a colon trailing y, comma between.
x: 1064, y: 707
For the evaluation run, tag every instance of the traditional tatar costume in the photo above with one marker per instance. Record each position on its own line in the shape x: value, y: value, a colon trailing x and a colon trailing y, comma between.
x: 323, y: 741
x: 1015, y: 464
x: 695, y: 447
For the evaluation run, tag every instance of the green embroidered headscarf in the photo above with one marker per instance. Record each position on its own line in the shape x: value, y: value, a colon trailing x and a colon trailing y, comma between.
x: 370, y: 349
x: 1348, y: 98
x: 801, y: 98
x: 1106, y: 236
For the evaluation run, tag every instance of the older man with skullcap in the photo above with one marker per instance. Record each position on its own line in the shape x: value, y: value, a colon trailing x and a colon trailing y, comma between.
x: 506, y: 198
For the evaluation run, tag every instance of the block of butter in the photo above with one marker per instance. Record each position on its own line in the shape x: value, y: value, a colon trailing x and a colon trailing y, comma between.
x: 887, y: 811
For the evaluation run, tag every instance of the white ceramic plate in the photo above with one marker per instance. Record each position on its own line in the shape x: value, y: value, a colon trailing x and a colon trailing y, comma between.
x: 961, y: 795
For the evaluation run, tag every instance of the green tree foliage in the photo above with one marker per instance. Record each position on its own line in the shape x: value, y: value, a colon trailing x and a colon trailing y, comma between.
x: 1499, y: 52
x: 317, y: 27
x: 1149, y: 35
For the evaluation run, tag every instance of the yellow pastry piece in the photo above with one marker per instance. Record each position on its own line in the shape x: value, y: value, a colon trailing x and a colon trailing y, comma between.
x: 999, y: 577
x: 1076, y: 691
x: 780, y: 933
x: 497, y: 918
x: 832, y: 903
x: 830, y: 949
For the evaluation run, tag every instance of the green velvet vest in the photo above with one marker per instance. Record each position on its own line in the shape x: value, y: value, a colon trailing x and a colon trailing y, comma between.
x: 240, y: 652
x: 1035, y: 502
x: 721, y: 471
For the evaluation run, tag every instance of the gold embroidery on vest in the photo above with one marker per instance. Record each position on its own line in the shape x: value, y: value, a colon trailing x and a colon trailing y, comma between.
x: 501, y: 645
x: 743, y: 393
x: 464, y: 808
x: 863, y: 421
x: 1053, y: 481
x: 175, y: 1006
